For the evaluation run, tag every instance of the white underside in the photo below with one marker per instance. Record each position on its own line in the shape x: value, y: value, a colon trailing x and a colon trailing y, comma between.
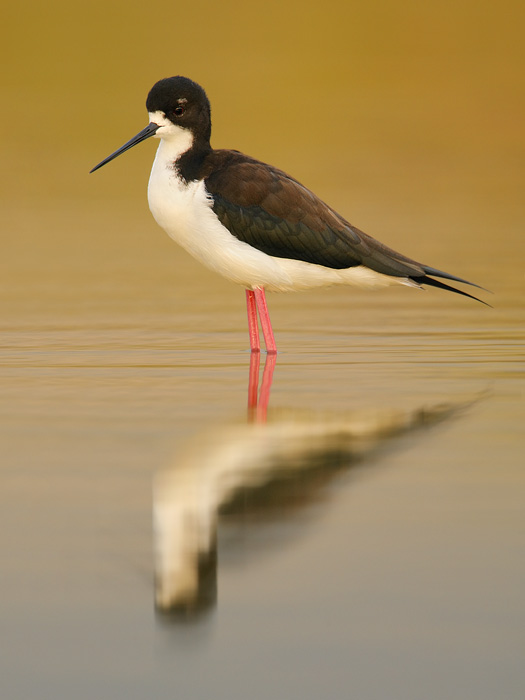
x: 184, y: 211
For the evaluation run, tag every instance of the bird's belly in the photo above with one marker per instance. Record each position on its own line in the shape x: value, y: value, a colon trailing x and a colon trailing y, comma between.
x: 184, y: 211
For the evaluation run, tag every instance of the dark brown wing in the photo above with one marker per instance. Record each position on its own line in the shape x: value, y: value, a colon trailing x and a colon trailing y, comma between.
x: 274, y: 213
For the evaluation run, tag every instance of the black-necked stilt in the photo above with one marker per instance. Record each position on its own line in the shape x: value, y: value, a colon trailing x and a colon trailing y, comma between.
x: 251, y: 222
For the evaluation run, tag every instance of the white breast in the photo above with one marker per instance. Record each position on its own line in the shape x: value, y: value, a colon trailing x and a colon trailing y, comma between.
x: 184, y: 211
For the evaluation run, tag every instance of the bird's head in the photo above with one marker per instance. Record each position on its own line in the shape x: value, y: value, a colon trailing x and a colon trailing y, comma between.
x: 178, y: 109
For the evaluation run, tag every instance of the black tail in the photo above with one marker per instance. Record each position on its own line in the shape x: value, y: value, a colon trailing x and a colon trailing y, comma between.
x: 425, y: 279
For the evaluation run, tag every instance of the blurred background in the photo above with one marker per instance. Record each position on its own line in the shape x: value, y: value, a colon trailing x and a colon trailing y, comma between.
x: 407, y: 117
x: 405, y: 581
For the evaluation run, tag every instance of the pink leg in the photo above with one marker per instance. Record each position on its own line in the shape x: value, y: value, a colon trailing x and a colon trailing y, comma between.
x: 253, y: 326
x: 266, y: 324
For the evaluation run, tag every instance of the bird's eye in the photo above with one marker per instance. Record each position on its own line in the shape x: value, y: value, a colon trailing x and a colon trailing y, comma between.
x: 178, y: 111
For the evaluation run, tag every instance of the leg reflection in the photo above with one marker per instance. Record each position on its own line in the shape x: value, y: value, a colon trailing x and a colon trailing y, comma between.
x: 258, y: 401
x: 253, y: 382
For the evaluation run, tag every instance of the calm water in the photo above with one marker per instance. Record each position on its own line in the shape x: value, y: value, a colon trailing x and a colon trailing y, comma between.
x: 370, y: 534
x: 361, y: 537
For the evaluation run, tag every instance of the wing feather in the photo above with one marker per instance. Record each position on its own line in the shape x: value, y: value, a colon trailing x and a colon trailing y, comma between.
x: 266, y: 208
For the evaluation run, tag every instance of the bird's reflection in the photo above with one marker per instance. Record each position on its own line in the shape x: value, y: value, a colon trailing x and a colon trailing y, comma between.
x: 249, y: 465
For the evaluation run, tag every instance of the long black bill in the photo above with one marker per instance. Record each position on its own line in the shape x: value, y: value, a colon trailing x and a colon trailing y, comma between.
x: 141, y: 136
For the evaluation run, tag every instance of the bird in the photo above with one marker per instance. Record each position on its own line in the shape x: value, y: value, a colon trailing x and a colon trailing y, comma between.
x: 250, y: 221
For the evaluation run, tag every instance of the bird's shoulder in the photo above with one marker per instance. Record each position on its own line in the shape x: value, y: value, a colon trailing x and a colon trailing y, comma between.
x: 246, y: 182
